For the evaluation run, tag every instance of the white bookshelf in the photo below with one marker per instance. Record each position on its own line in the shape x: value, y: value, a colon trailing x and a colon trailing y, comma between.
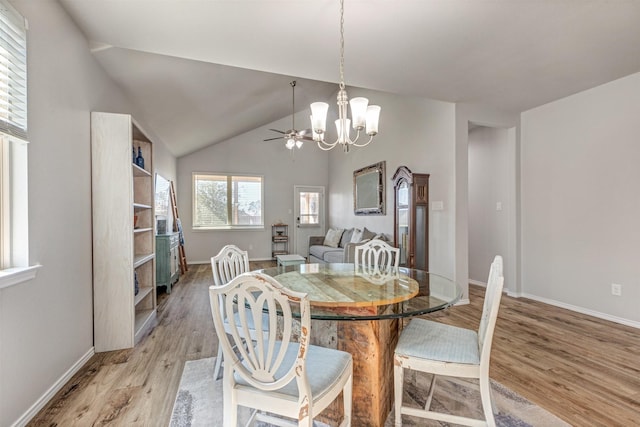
x: 121, y: 191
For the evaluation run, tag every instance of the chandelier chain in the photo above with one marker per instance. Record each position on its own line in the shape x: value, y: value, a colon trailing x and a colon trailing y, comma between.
x: 341, y: 44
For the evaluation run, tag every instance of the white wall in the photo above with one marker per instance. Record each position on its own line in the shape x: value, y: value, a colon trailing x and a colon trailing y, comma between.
x: 249, y: 154
x: 163, y: 161
x: 46, y: 325
x: 488, y: 185
x: 581, y: 199
x: 414, y: 132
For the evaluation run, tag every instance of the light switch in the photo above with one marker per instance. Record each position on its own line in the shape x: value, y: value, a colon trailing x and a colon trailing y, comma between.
x: 437, y: 206
x: 498, y: 206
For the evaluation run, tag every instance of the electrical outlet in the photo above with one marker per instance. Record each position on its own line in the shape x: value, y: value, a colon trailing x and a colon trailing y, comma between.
x: 616, y: 289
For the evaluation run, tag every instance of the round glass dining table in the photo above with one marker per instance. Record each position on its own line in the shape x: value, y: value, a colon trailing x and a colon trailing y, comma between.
x: 347, y: 292
x: 340, y: 294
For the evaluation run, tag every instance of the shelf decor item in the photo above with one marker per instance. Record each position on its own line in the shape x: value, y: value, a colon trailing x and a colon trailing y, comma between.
x: 140, y: 159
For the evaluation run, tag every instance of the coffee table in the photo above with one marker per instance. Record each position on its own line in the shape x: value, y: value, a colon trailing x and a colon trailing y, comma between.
x: 286, y: 260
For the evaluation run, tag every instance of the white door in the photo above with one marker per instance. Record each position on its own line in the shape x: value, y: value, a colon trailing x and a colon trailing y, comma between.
x: 309, y: 216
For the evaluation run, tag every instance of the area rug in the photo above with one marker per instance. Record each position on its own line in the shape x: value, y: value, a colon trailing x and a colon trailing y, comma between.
x: 199, y: 401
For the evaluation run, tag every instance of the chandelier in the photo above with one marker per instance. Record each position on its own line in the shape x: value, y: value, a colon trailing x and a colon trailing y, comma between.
x: 364, y: 117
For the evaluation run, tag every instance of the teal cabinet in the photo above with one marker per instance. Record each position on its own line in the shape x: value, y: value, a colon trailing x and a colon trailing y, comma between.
x: 167, y: 258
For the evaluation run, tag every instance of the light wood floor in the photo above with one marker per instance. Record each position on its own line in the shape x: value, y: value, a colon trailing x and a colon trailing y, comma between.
x: 584, y: 370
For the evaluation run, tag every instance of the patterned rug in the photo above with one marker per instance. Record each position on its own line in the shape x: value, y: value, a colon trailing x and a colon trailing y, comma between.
x: 199, y: 401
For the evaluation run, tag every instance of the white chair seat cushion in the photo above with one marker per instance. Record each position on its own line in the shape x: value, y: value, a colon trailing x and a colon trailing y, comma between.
x: 429, y: 340
x: 328, y: 366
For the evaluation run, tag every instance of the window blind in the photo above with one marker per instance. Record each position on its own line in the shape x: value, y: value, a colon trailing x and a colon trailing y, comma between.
x: 13, y: 72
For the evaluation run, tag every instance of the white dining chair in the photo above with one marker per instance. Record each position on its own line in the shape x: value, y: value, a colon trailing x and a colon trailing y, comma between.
x: 451, y: 351
x: 229, y: 263
x: 280, y: 373
x: 376, y: 257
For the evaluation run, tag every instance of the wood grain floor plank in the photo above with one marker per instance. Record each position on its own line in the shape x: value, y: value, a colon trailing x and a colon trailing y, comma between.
x: 583, y: 369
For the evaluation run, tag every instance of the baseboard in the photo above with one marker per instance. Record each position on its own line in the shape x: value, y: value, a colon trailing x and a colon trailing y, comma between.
x: 478, y: 283
x: 583, y: 310
x: 504, y: 290
x: 48, y: 395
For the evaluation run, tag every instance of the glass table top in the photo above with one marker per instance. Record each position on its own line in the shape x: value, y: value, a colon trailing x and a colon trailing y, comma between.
x: 345, y: 292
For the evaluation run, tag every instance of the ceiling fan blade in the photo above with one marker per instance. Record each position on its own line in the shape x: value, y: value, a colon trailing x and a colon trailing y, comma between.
x: 279, y: 131
x: 305, y: 137
x: 303, y: 132
x: 273, y: 139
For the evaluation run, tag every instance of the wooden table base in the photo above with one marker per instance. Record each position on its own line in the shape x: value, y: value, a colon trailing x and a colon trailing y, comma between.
x: 371, y: 343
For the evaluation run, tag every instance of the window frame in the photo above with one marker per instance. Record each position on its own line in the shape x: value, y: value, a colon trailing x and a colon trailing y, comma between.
x: 14, y: 214
x: 229, y: 178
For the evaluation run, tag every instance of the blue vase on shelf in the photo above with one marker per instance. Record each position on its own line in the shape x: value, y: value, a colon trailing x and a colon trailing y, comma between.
x: 140, y: 159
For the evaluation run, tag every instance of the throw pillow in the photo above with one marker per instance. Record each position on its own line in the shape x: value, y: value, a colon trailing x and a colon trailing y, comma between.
x: 368, y: 234
x: 356, y: 236
x: 332, y: 239
x: 346, y: 237
x: 381, y: 237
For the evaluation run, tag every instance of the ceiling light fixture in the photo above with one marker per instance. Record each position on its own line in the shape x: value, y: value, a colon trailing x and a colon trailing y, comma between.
x: 293, y: 138
x: 365, y: 117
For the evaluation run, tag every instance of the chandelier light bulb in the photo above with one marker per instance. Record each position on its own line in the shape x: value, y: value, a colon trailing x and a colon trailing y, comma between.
x: 373, y: 115
x: 319, y: 117
x: 359, y: 112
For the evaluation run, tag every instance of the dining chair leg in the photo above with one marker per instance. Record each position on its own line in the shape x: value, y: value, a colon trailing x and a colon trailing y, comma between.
x: 216, y: 370
x: 432, y: 388
x: 398, y: 378
x: 485, y: 396
x: 230, y: 405
x: 347, y: 396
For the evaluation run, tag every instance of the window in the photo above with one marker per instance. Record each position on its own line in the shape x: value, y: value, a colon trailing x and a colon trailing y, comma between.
x: 309, y: 205
x: 14, y: 250
x: 225, y: 201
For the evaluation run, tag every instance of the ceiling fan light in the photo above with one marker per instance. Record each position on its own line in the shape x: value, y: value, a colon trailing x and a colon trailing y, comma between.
x: 319, y: 116
x: 373, y: 116
x: 290, y: 144
x: 299, y: 143
x: 359, y: 112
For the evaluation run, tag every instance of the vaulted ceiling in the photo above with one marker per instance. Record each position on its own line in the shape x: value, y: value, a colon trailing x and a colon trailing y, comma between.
x: 206, y: 70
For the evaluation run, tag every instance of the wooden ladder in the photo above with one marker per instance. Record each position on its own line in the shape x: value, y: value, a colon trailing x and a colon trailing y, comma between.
x: 177, y: 225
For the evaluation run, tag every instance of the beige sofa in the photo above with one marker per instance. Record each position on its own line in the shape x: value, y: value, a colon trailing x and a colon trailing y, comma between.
x: 344, y: 252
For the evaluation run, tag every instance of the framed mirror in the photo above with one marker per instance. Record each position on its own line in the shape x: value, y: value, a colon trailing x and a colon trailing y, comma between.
x: 368, y: 190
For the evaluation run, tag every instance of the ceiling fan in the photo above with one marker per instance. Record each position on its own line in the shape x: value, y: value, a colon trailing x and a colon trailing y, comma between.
x: 293, y: 138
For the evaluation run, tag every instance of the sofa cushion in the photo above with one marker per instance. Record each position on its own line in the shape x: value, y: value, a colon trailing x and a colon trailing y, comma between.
x: 356, y: 236
x: 334, y: 256
x: 367, y: 234
x: 332, y: 238
x: 346, y: 238
x: 325, y: 252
